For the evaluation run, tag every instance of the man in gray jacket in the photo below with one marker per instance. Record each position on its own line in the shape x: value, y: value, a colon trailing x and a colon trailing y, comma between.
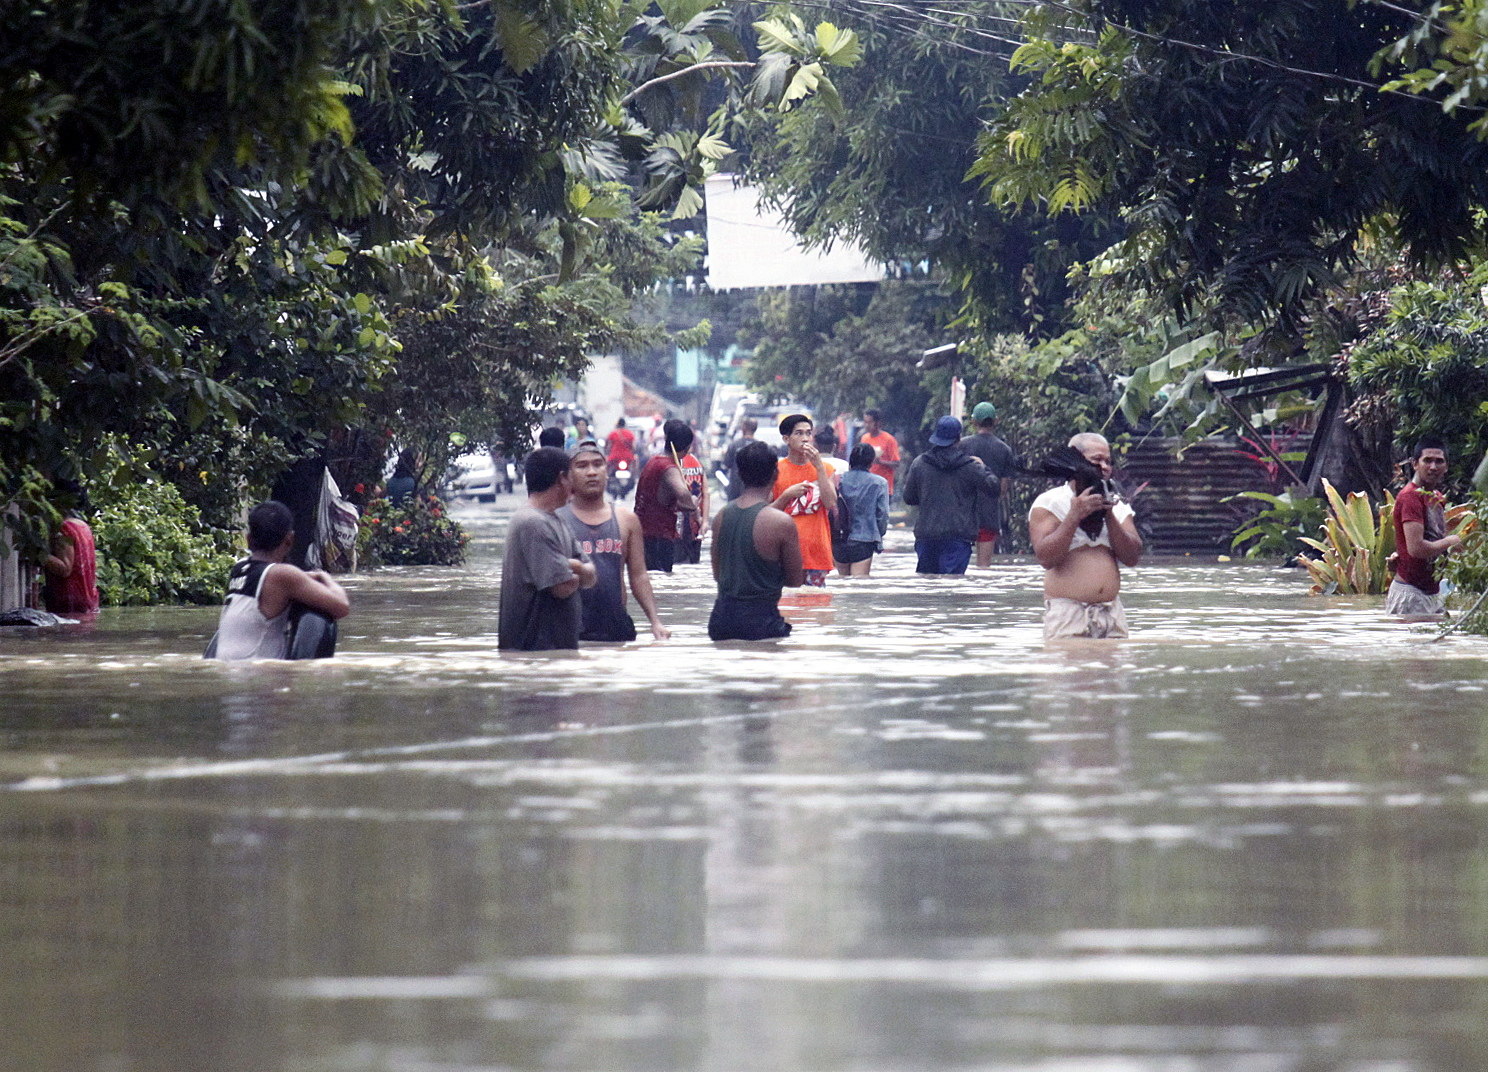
x: 944, y: 483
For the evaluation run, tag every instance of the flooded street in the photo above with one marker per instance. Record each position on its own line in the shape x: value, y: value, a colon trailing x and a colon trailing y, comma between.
x: 910, y: 837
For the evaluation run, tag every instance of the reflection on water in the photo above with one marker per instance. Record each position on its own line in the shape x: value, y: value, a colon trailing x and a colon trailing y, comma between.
x: 909, y: 837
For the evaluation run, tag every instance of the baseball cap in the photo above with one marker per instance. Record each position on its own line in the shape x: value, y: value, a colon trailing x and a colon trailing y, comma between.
x: 587, y: 446
x: 947, y: 431
x: 984, y: 411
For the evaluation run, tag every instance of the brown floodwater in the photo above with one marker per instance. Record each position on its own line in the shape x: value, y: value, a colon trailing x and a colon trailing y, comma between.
x: 1249, y: 839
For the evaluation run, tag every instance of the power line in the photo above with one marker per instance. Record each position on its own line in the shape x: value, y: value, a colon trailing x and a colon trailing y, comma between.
x: 905, y: 18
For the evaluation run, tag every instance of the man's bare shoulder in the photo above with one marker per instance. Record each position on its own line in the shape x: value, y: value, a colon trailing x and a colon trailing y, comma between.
x: 776, y: 520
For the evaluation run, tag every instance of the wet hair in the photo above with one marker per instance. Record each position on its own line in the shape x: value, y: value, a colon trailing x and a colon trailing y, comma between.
x: 875, y: 414
x: 749, y: 426
x: 678, y: 434
x: 788, y: 424
x: 268, y: 524
x: 543, y: 467
x: 826, y: 436
x: 757, y: 464
x: 550, y: 437
x: 1428, y: 442
x: 861, y: 456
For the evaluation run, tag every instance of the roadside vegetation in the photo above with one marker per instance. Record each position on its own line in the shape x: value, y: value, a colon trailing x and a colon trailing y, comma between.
x: 317, y: 229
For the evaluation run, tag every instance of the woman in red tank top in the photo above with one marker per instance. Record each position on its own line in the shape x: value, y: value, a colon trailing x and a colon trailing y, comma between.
x: 71, y: 570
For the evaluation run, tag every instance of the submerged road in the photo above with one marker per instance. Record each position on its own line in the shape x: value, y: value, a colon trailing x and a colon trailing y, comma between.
x: 910, y: 837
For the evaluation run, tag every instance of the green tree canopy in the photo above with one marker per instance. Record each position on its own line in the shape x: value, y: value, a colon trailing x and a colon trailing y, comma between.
x: 1247, y: 146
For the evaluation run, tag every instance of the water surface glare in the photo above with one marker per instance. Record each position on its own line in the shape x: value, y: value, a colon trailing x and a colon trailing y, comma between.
x: 910, y: 837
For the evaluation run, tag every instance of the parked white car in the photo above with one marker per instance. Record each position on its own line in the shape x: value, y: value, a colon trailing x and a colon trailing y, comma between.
x: 474, y: 477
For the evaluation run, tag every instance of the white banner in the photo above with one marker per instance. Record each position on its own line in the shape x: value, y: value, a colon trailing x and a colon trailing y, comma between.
x: 750, y: 246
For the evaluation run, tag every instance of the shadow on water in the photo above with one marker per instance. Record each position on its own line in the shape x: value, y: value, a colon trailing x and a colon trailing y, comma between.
x: 909, y: 837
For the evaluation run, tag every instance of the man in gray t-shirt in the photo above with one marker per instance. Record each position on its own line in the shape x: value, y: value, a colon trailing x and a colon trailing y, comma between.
x: 543, y: 567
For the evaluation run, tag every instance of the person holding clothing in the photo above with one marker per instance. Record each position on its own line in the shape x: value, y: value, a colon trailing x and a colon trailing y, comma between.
x: 1082, y: 568
x: 806, y: 490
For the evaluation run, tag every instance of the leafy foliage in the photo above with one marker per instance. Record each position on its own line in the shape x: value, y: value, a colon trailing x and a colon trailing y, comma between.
x: 1466, y: 569
x: 153, y: 548
x: 890, y: 172
x: 1228, y: 135
x: 413, y: 533
x: 236, y: 237
x: 845, y: 348
x: 1448, y: 49
x: 1277, y: 531
x: 1424, y: 367
x: 1356, y: 544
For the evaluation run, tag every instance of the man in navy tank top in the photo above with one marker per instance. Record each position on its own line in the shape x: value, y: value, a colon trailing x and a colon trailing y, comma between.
x: 610, y: 535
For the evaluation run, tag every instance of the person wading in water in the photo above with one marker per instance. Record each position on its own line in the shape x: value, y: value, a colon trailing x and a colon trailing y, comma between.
x: 756, y: 552
x: 611, y: 536
x: 262, y: 587
x: 1082, y: 572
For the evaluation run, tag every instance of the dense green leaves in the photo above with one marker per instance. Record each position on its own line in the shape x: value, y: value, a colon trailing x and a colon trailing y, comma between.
x: 1248, y: 146
x: 242, y: 234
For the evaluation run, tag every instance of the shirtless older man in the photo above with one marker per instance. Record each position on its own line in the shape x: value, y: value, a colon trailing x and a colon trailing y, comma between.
x: 1082, y: 573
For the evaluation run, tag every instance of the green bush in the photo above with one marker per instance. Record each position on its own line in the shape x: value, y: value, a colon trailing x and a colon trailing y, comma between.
x: 1277, y: 531
x: 1466, y: 570
x: 153, y: 548
x: 415, y: 533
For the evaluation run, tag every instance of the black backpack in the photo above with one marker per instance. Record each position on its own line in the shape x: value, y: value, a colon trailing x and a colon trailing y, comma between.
x: 842, y: 519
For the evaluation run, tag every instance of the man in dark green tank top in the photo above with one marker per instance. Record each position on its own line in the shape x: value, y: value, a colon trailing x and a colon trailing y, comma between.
x: 756, y: 553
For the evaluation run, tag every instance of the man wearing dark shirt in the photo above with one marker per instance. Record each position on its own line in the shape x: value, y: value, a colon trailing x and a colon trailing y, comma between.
x: 747, y: 427
x: 543, y: 567
x: 1421, y: 535
x: 998, y: 457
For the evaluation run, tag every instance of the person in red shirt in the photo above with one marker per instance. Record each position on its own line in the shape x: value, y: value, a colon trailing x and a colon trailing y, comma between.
x: 806, y: 490
x: 621, y: 445
x: 661, y: 494
x: 71, y: 569
x: 690, y: 527
x: 885, y: 446
x: 1421, y: 536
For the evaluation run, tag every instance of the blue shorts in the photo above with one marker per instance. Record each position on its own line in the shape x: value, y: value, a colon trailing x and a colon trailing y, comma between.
x: 943, y: 554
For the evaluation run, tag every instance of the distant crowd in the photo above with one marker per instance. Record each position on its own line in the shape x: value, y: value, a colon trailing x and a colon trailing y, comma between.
x: 575, y: 554
x: 791, y: 521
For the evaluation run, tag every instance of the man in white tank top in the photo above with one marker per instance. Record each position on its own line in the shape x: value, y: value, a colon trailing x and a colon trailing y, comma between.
x: 261, y: 588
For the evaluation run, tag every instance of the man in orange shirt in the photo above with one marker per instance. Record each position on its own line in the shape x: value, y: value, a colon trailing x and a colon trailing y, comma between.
x: 885, y: 446
x: 805, y: 489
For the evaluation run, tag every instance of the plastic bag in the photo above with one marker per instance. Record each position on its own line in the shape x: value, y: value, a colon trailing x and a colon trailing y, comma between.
x: 336, y: 523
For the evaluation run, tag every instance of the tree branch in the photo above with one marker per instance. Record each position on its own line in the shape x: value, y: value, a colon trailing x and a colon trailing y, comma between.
x: 705, y: 65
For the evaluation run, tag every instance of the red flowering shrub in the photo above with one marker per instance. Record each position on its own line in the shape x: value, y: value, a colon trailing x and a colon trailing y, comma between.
x: 413, y: 533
